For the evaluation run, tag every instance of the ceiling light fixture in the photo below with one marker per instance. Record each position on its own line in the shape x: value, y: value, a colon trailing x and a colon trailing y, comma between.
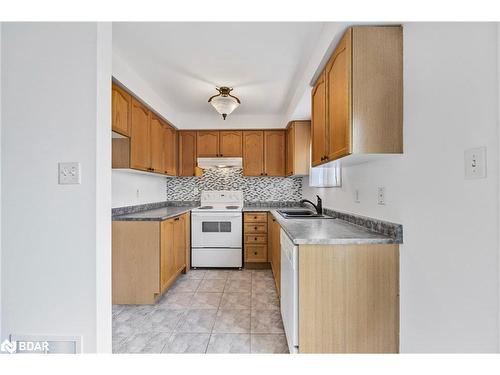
x: 224, y: 102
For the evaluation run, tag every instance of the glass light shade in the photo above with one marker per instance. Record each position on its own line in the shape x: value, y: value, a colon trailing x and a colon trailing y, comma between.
x: 224, y: 104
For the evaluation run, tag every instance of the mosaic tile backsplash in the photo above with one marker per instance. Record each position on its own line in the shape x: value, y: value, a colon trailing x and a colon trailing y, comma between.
x: 255, y: 189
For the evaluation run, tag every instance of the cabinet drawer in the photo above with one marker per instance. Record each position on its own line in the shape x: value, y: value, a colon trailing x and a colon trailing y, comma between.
x: 255, y: 217
x: 256, y: 238
x: 255, y: 253
x: 251, y: 228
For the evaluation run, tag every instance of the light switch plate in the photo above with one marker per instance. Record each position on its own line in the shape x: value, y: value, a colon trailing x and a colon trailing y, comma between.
x: 69, y: 173
x: 475, y: 163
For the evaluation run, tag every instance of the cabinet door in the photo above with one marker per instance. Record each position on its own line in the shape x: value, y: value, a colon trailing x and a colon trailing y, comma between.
x: 207, y: 144
x: 274, y: 153
x: 253, y: 153
x: 169, y: 150
x: 157, y: 139
x: 167, y: 260
x: 338, y: 85
x: 187, y: 153
x: 121, y: 105
x: 179, y: 243
x: 318, y: 121
x: 140, y: 156
x: 290, y: 150
x: 230, y: 143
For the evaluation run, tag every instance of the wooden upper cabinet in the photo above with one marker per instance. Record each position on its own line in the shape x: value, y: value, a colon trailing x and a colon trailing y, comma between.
x: 140, y: 156
x: 298, y: 148
x: 187, y: 153
x: 157, y: 145
x: 290, y: 144
x: 377, y: 90
x: 318, y: 121
x: 230, y: 143
x: 338, y: 93
x: 207, y: 144
x: 253, y: 153
x: 274, y: 153
x: 121, y: 110
x: 169, y: 150
x: 357, y: 101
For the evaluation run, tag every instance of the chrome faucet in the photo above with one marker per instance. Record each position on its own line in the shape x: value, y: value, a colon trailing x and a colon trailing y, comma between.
x: 318, y: 206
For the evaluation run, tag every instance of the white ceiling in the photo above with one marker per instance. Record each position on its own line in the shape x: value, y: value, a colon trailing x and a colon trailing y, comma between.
x: 184, y: 62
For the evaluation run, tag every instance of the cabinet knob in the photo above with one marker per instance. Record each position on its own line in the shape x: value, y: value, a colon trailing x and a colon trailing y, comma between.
x: 254, y: 253
x: 255, y: 228
x: 255, y: 238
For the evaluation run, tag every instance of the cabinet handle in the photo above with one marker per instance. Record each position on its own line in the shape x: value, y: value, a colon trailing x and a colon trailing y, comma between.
x: 221, y: 155
x: 176, y: 219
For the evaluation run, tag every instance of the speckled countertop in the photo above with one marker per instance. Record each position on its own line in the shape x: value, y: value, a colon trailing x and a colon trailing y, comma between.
x: 311, y: 231
x: 339, y: 229
x: 156, y: 214
x: 267, y: 208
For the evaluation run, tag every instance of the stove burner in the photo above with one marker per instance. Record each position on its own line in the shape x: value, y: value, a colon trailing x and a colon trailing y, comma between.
x: 232, y: 207
x: 206, y: 207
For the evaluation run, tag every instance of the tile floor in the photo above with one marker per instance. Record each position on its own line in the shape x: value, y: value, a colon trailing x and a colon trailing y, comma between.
x: 205, y: 311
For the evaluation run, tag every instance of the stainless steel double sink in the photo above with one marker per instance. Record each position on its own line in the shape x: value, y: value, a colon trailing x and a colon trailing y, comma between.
x: 301, y: 214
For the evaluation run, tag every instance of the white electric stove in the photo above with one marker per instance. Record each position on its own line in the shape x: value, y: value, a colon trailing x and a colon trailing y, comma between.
x: 216, y: 230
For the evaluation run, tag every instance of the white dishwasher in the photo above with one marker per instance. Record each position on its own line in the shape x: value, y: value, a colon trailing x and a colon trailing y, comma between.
x: 290, y: 291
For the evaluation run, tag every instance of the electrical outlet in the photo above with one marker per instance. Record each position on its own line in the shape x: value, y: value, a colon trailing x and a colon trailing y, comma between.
x: 356, y: 196
x: 381, y: 195
x: 475, y: 163
x: 69, y: 173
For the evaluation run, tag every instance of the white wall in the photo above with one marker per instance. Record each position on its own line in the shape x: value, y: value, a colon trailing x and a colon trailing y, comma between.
x: 55, y: 107
x: 449, y: 260
x: 133, y: 188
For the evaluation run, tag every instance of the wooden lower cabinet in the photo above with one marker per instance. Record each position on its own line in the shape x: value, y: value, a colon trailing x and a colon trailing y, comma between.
x: 148, y: 256
x: 349, y: 298
x: 274, y: 250
x: 255, y: 238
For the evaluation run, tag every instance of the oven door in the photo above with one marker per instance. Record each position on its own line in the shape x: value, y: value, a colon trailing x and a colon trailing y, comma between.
x: 216, y: 230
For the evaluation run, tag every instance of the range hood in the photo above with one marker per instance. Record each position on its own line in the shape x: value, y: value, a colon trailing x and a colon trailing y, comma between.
x: 205, y: 163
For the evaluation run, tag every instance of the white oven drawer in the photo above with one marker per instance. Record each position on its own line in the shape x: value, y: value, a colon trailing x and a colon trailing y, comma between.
x: 209, y: 257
